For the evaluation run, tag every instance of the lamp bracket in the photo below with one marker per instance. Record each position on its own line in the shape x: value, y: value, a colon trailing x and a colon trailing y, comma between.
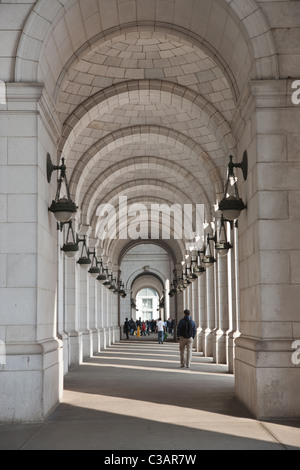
x: 51, y: 167
x: 243, y: 165
x: 212, y: 239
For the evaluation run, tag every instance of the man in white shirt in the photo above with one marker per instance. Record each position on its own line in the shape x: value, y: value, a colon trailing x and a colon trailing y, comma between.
x: 160, y: 328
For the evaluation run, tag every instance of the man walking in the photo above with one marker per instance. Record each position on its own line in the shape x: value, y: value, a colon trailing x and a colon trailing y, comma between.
x: 127, y: 328
x: 160, y: 328
x: 186, y: 333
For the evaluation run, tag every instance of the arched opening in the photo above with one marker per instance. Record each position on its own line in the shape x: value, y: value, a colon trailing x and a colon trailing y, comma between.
x: 147, y: 266
x: 148, y: 304
x: 146, y: 122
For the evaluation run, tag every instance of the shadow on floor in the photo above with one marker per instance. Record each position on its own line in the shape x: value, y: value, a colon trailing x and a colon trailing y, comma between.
x: 134, y: 396
x: 75, y: 428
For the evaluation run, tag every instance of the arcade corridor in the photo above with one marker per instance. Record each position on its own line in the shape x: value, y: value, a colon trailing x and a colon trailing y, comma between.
x: 149, y: 147
x: 134, y: 396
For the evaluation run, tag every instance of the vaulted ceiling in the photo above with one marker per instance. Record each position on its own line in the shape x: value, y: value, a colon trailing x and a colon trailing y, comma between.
x: 145, y: 93
x: 145, y: 116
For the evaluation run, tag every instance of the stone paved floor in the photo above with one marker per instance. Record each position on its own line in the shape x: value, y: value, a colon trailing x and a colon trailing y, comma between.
x: 135, y: 396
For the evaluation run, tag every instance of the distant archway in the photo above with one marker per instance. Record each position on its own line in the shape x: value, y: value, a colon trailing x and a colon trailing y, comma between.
x: 147, y: 303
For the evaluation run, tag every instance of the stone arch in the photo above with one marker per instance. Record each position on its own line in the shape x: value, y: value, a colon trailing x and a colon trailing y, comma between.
x: 95, y: 190
x: 150, y: 279
x: 160, y: 134
x: 167, y: 191
x: 177, y: 234
x: 175, y: 248
x: 137, y: 274
x: 124, y: 246
x: 175, y: 33
x: 51, y: 21
x: 125, y: 91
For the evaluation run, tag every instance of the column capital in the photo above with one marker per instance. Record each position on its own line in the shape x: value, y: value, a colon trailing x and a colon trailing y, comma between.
x: 23, y: 91
x: 273, y: 93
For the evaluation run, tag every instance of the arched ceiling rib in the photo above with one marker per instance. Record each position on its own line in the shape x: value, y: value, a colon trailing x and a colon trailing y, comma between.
x: 180, y: 227
x: 146, y: 166
x: 156, y: 101
x: 147, y: 280
x: 190, y: 154
x: 124, y: 248
x: 154, y: 188
x: 117, y: 249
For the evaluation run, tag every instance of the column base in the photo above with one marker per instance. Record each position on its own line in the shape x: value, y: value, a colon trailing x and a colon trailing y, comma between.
x: 87, y: 343
x: 199, y: 340
x: 208, y: 343
x: 266, y: 379
x: 64, y: 337
x: 31, y: 381
x: 102, y: 339
x: 95, y: 340
x: 232, y: 336
x: 220, y: 347
x: 75, y: 348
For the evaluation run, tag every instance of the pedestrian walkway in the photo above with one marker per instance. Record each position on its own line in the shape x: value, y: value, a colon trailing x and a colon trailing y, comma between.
x: 134, y: 396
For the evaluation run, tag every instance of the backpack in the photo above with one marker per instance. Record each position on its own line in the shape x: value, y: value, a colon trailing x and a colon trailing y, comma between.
x: 187, y: 329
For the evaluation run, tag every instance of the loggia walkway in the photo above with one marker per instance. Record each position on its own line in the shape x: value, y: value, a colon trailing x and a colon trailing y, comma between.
x: 134, y: 396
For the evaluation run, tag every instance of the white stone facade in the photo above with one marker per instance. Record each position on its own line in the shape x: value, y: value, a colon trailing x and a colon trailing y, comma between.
x: 147, y: 99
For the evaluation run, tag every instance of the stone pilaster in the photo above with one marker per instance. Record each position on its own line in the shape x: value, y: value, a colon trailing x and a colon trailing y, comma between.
x: 266, y: 378
x: 71, y: 325
x: 92, y: 315
x: 233, y: 294
x: 84, y: 312
x: 223, y: 317
x: 31, y: 378
x: 210, y: 312
x: 202, y: 312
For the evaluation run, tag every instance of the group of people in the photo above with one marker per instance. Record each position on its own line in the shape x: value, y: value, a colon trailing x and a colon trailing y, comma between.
x: 186, y: 332
x: 147, y: 327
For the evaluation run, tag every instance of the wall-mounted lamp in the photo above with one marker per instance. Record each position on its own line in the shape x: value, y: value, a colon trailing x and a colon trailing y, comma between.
x: 62, y: 207
x: 107, y: 282
x: 84, y: 260
x: 180, y: 286
x: 89, y: 258
x: 191, y: 276
x: 94, y: 271
x: 221, y: 244
x: 122, y: 292
x: 198, y: 268
x: 173, y: 290
x: 103, y: 276
x: 112, y: 286
x: 70, y: 247
x: 207, y: 259
x: 231, y: 204
x: 116, y: 289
